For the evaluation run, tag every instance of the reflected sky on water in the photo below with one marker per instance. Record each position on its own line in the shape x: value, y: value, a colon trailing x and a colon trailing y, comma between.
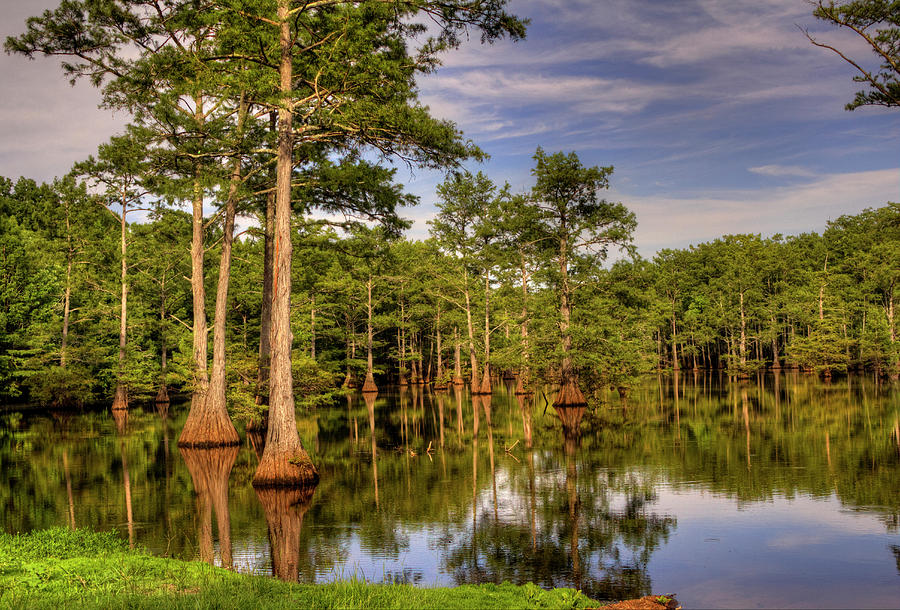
x: 776, y: 492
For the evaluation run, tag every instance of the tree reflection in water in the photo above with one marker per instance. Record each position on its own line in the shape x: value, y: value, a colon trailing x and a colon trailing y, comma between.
x: 284, y: 508
x: 592, y: 530
x: 210, y: 469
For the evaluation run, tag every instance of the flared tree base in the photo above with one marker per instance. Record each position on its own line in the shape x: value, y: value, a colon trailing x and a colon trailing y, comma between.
x: 163, y: 395
x: 120, y: 400
x: 523, y: 388
x: 369, y: 385
x: 292, y: 468
x: 459, y: 381
x: 208, y: 426
x: 569, y: 395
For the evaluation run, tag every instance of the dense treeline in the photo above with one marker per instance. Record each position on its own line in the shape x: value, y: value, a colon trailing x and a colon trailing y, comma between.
x: 476, y: 301
x: 288, y: 113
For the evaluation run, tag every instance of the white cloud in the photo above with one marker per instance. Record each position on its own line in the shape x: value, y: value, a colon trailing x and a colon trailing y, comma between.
x: 782, y: 170
x: 665, y: 222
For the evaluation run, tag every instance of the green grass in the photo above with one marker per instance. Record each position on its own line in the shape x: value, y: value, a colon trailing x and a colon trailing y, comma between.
x: 61, y: 568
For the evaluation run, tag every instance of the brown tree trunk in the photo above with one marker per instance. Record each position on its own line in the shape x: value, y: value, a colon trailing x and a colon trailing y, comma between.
x: 473, y: 358
x: 369, y: 385
x: 68, y: 294
x: 198, y: 292
x: 162, y: 396
x: 485, y: 387
x: 284, y: 461
x: 522, y: 379
x: 312, y: 327
x: 208, y: 424
x: 120, y: 401
x: 265, y: 314
x: 457, y: 358
x: 440, y: 379
x: 569, y: 394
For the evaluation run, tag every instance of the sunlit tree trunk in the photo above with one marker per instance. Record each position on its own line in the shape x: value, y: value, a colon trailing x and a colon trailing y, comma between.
x: 120, y: 401
x: 284, y: 461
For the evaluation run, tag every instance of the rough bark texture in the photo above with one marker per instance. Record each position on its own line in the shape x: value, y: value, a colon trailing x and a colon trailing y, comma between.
x: 208, y: 424
x: 198, y: 292
x: 457, y: 364
x: 473, y: 359
x: 210, y: 470
x: 485, y: 387
x: 284, y: 462
x: 265, y: 315
x: 369, y: 385
x: 569, y: 394
x: 120, y: 401
x: 284, y: 510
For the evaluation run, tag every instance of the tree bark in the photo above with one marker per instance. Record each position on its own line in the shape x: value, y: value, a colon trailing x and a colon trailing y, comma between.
x: 265, y: 315
x: 473, y: 358
x: 485, y: 387
x: 569, y: 394
x: 369, y: 385
x: 284, y: 461
x: 457, y: 357
x: 120, y: 401
x: 209, y: 425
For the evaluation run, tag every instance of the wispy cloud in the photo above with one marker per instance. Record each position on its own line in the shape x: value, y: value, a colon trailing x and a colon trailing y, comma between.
x: 782, y: 170
x: 677, y: 222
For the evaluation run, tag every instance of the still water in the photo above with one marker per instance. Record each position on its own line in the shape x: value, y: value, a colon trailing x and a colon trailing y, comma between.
x: 781, y: 491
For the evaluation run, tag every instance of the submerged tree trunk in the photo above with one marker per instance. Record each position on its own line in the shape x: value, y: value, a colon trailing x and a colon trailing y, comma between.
x: 284, y: 461
x: 162, y: 396
x: 569, y: 394
x: 440, y: 379
x: 457, y: 358
x: 120, y: 401
x: 208, y: 424
x: 369, y: 385
x: 70, y: 254
x: 522, y: 379
x: 473, y: 358
x: 485, y: 387
x: 198, y: 292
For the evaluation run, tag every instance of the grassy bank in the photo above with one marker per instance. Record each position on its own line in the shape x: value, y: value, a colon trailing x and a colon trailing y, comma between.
x: 61, y: 567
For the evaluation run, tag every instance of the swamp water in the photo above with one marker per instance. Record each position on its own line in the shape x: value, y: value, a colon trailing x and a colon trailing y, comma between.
x: 781, y: 491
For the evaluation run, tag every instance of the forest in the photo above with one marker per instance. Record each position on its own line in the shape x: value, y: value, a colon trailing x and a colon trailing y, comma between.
x: 477, y: 300
x: 128, y: 279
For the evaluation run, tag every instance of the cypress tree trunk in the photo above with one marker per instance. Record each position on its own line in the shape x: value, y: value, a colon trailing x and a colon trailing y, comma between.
x: 369, y: 385
x: 473, y: 358
x: 284, y: 461
x: 457, y: 356
x: 209, y: 425
x: 265, y: 315
x: 120, y: 401
x: 485, y: 387
x: 67, y: 296
x: 198, y: 292
x: 569, y: 394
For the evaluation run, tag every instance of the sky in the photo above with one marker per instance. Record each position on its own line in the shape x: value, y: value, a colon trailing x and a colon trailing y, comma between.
x: 719, y: 116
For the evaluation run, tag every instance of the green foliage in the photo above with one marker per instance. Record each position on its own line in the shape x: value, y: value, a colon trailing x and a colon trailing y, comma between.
x: 877, y: 24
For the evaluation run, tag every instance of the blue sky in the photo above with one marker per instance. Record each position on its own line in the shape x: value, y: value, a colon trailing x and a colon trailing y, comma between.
x: 718, y: 115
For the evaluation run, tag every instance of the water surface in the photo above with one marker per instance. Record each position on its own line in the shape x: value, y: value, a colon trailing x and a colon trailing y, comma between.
x: 781, y: 491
